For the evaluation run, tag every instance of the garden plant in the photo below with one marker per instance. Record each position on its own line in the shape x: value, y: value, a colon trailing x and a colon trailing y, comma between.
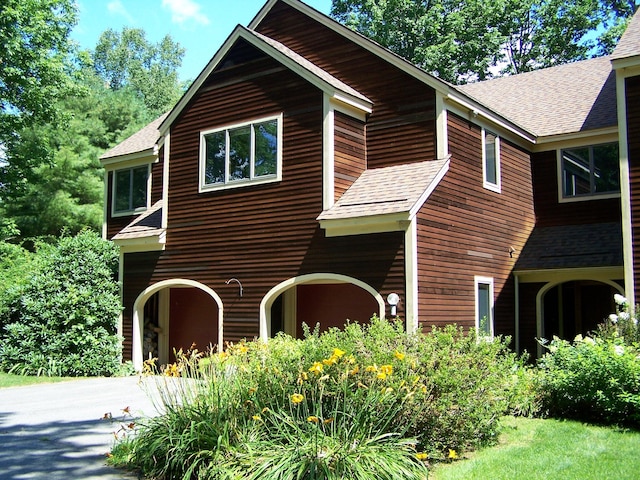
x: 368, y: 401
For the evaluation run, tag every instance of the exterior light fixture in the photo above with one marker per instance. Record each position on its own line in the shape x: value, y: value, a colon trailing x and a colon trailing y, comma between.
x: 393, y: 299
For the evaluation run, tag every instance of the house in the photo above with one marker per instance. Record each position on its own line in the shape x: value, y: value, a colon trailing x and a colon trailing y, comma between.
x: 310, y: 175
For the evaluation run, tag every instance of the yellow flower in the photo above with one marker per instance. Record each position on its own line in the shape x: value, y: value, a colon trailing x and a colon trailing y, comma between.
x: 355, y: 370
x: 399, y: 355
x: 316, y: 368
x: 332, y: 360
x: 372, y: 368
x: 256, y: 417
x: 453, y: 454
x: 338, y: 353
x: 421, y: 456
x: 381, y: 376
x: 312, y: 419
x: 386, y: 369
x: 328, y: 420
x: 297, y: 398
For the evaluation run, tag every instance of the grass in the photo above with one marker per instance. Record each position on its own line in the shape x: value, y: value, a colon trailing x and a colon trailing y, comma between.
x: 12, y: 380
x: 551, y: 449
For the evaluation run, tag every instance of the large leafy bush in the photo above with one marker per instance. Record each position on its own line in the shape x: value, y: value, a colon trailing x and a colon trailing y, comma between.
x: 596, y: 378
x: 365, y: 402
x: 62, y: 320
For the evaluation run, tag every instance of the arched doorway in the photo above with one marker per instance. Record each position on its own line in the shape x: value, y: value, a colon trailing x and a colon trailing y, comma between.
x: 575, y: 307
x: 174, y: 314
x: 321, y: 298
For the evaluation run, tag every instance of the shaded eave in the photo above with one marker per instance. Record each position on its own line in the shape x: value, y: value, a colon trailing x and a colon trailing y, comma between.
x: 331, y: 86
x: 145, y: 233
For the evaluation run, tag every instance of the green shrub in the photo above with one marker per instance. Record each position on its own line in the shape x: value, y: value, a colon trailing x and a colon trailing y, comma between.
x: 593, y: 379
x: 365, y: 402
x: 62, y: 320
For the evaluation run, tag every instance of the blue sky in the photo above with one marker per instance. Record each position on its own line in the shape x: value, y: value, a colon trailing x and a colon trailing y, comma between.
x: 200, y: 26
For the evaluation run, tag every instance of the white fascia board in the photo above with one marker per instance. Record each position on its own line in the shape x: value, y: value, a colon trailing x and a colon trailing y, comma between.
x: 396, y: 222
x: 576, y: 139
x: 131, y: 160
x: 359, y: 39
x: 429, y: 190
x: 241, y: 33
x: 152, y: 243
x: 626, y: 63
x: 480, y: 111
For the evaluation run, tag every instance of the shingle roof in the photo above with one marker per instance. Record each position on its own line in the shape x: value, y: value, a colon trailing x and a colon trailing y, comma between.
x: 565, y: 99
x: 148, y: 224
x: 387, y: 190
x: 144, y: 139
x: 572, y: 246
x: 629, y: 44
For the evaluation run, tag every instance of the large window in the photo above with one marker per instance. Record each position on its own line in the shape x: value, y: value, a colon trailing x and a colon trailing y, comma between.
x: 484, y: 306
x: 241, y: 154
x: 130, y: 187
x: 588, y: 171
x: 491, y: 160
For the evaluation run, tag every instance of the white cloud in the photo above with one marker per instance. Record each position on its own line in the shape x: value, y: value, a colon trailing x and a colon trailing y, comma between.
x: 117, y: 8
x: 183, y: 11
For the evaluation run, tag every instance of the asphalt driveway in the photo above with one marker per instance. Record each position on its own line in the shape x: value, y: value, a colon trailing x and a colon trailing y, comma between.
x: 59, y: 430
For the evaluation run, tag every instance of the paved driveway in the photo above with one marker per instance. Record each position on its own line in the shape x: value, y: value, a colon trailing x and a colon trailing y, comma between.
x: 57, y: 431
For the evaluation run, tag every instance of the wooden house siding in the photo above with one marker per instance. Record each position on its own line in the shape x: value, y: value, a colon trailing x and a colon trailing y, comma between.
x: 550, y: 212
x: 465, y: 230
x: 264, y: 234
x: 401, y: 127
x: 350, y: 152
x: 157, y: 170
x: 632, y: 89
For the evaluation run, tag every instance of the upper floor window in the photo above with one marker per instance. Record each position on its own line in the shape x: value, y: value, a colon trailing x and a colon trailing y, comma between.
x: 484, y: 306
x: 130, y: 189
x: 491, y: 160
x: 241, y: 154
x: 588, y: 171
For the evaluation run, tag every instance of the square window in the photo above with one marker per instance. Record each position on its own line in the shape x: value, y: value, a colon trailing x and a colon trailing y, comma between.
x: 130, y: 189
x: 241, y: 154
x: 589, y: 171
x: 491, y: 160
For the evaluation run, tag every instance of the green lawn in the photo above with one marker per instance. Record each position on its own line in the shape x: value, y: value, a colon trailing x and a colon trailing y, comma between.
x: 11, y: 380
x: 549, y: 449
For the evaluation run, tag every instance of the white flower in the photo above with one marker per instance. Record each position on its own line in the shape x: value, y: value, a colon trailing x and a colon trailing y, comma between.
x: 624, y: 316
x: 589, y: 340
x: 635, y: 321
x: 613, y: 318
x: 619, y: 349
x: 578, y: 338
x: 619, y: 299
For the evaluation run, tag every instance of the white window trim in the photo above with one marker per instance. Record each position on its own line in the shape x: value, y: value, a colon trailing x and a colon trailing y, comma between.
x: 135, y: 211
x: 579, y: 198
x: 495, y: 187
x: 203, y: 187
x: 477, y: 281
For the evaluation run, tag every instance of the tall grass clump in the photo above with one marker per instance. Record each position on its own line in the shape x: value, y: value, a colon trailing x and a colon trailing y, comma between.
x: 364, y: 402
x: 595, y: 378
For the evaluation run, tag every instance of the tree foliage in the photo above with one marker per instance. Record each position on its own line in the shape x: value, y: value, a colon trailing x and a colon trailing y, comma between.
x: 62, y: 318
x: 477, y: 39
x: 128, y: 59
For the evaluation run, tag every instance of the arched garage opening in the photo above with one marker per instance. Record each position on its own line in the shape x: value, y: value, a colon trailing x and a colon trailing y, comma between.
x: 174, y: 314
x: 569, y: 308
x: 327, y: 299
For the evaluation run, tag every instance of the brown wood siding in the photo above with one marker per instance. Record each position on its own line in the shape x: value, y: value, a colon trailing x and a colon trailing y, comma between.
x: 632, y: 88
x: 350, y: 152
x: 465, y: 230
x: 550, y: 212
x: 262, y: 234
x: 156, y: 177
x: 401, y: 128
